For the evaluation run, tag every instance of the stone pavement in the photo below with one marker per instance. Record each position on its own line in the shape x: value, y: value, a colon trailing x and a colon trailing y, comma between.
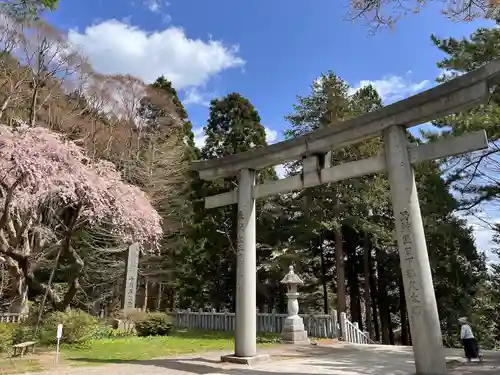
x: 339, y: 359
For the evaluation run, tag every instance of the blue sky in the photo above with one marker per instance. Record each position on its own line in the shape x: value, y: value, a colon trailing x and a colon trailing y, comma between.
x: 269, y: 51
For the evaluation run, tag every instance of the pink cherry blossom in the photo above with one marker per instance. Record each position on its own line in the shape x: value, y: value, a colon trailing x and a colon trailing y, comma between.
x: 54, y: 167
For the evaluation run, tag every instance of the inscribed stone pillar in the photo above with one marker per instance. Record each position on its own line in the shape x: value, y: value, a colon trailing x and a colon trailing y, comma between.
x: 417, y: 277
x: 131, y: 277
x: 246, y: 270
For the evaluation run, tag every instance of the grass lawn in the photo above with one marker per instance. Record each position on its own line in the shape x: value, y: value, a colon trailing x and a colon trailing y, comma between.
x: 17, y: 366
x: 144, y: 348
x: 132, y: 348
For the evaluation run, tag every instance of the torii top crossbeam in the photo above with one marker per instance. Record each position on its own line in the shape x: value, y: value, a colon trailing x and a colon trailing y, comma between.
x: 453, y: 96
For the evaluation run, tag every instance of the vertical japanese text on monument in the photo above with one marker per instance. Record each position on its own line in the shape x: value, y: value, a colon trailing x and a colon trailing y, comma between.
x: 131, y: 281
x: 408, y: 267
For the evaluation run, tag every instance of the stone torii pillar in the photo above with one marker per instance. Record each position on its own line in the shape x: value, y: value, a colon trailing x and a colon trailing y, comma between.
x: 245, y: 337
x: 246, y: 269
x: 414, y: 258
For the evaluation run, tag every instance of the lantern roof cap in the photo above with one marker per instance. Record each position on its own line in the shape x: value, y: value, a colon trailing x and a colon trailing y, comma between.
x: 291, y: 277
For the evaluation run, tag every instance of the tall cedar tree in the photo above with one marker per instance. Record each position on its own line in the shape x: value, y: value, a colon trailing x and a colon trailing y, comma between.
x: 233, y: 126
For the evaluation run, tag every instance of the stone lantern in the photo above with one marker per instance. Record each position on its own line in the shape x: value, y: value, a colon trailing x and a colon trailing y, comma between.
x: 293, y: 329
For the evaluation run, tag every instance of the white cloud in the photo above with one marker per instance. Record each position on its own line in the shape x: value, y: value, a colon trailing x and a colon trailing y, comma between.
x: 194, y: 95
x: 158, y: 7
x: 280, y: 170
x: 115, y: 47
x: 155, y: 6
x: 271, y: 135
x: 483, y: 234
x: 392, y: 88
x: 199, y: 137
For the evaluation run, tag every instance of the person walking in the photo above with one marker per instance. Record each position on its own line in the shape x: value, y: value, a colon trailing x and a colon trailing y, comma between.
x: 469, y: 342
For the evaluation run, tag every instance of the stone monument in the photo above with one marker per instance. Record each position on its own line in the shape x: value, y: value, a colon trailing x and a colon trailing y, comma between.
x: 131, y: 278
x: 293, y: 329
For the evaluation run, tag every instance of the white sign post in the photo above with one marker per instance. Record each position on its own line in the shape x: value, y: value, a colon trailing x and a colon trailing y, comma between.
x: 59, y: 336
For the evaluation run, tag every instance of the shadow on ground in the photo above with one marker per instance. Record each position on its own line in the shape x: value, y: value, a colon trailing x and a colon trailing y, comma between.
x: 488, y: 366
x: 314, y: 360
x: 300, y: 361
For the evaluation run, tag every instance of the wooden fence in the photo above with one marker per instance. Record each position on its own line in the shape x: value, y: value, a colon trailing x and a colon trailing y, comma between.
x: 321, y: 326
x: 11, y: 318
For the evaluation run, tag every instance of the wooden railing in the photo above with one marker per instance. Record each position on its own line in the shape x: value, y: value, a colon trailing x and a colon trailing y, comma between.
x: 351, y: 332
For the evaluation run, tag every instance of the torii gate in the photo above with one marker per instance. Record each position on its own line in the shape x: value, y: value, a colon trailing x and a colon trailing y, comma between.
x: 397, y: 158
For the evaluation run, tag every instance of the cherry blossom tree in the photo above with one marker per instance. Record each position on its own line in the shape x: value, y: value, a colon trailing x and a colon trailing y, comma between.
x: 49, y: 190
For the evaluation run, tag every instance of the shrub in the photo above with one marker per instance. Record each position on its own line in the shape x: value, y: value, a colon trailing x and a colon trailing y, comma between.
x: 133, y: 315
x: 6, y: 334
x: 22, y: 333
x: 104, y: 331
x: 154, y: 324
x: 269, y: 340
x: 78, y: 327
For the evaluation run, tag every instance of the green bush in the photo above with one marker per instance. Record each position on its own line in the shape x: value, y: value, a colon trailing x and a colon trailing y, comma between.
x: 269, y: 340
x: 133, y: 315
x: 154, y: 324
x: 104, y: 331
x: 23, y: 333
x: 78, y: 327
x: 6, y: 334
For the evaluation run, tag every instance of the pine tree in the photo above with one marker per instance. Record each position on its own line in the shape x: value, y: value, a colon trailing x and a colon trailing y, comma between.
x: 330, y: 210
x: 473, y: 176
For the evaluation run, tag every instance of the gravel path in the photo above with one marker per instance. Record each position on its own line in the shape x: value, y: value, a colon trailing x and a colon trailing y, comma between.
x: 336, y: 360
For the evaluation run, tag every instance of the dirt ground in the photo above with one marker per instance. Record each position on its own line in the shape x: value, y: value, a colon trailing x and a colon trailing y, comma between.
x: 327, y: 357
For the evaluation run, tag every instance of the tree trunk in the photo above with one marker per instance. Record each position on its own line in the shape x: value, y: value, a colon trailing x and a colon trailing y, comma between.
x: 323, y: 275
x: 366, y: 293
x: 159, y: 293
x: 353, y: 277
x: 374, y: 300
x: 170, y: 299
x: 34, y: 98
x: 146, y: 292
x: 19, y: 301
x: 339, y: 257
x: 405, y: 338
x: 17, y: 287
x: 4, y: 106
x: 385, y: 318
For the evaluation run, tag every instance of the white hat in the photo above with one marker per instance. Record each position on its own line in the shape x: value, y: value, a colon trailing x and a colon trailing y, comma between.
x: 463, y: 319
